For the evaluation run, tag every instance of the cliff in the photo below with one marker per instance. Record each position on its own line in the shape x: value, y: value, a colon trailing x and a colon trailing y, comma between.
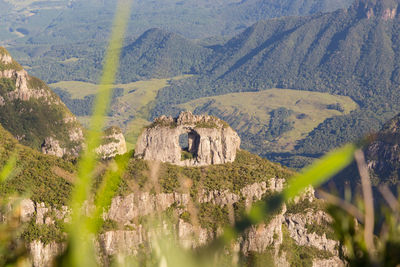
x: 209, y: 141
x: 383, y: 153
x: 129, y: 234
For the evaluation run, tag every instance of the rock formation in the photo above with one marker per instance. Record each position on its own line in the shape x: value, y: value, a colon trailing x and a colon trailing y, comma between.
x: 209, y: 141
x: 385, y: 9
x: 383, y: 153
x: 113, y: 143
x: 126, y: 211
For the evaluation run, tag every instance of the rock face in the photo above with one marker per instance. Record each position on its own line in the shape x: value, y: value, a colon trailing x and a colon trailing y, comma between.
x: 383, y: 154
x: 43, y: 255
x: 384, y: 9
x: 113, y: 143
x: 26, y: 100
x: 131, y: 235
x: 209, y: 141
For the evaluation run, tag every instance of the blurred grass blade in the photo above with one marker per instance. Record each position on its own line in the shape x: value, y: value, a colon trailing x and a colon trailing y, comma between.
x: 321, y: 171
x: 9, y: 168
x: 108, y: 188
x: 368, y: 201
x: 81, y: 250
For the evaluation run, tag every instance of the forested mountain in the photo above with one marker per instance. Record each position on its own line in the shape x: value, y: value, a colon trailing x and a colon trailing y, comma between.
x: 159, y: 54
x: 351, y: 52
x: 56, y: 22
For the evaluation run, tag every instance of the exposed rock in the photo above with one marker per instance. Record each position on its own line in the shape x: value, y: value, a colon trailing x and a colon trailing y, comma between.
x: 331, y: 262
x: 210, y: 141
x: 297, y: 230
x: 43, y: 255
x: 126, y: 242
x: 191, y: 237
x: 126, y: 211
x: 259, y: 238
x: 113, y: 143
x: 5, y: 58
x: 383, y: 154
x: 27, y: 209
x: 383, y: 9
x: 220, y: 198
x: 51, y: 146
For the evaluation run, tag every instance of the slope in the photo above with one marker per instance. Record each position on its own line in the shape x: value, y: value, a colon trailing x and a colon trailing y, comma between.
x: 33, y: 113
x: 160, y: 54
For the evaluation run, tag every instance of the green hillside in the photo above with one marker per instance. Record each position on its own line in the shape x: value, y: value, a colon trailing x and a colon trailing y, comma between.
x: 32, y: 112
x: 274, y: 119
x: 41, y: 177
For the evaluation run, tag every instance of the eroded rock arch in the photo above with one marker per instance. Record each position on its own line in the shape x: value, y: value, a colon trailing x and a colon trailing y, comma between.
x: 210, y: 141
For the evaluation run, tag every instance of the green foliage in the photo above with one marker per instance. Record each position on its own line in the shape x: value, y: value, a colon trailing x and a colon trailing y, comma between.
x: 6, y: 85
x: 185, y: 216
x: 169, y: 180
x: 299, y: 207
x: 36, y: 84
x: 209, y: 125
x: 82, y: 107
x: 34, y: 173
x: 321, y: 229
x: 136, y: 172
x: 213, y: 216
x: 109, y: 225
x: 33, y: 121
x: 278, y: 124
x: 255, y: 259
x: 44, y: 232
x: 186, y: 155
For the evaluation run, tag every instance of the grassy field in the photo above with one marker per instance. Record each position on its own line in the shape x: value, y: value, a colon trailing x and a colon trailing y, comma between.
x: 309, y: 110
x: 130, y: 112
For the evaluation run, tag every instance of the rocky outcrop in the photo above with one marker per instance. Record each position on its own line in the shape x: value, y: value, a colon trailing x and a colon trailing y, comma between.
x: 124, y: 209
x: 383, y: 153
x: 209, y: 141
x: 131, y: 236
x: 52, y: 146
x: 43, y: 255
x: 296, y: 224
x: 384, y: 9
x: 113, y: 143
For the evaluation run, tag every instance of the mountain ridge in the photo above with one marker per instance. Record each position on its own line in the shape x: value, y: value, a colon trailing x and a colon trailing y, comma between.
x: 34, y: 114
